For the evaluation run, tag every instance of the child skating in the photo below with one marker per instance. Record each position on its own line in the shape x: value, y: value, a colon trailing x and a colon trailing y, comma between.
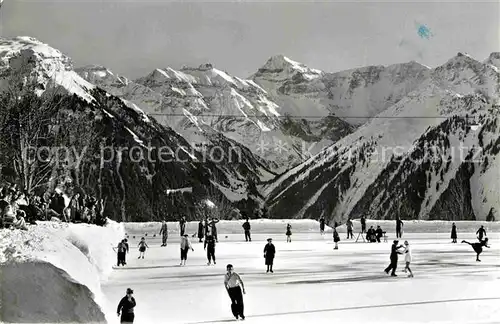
x: 336, y: 238
x: 142, y: 248
x: 408, y: 258
x: 185, y: 247
x: 288, y: 233
x: 478, y: 247
x: 269, y: 253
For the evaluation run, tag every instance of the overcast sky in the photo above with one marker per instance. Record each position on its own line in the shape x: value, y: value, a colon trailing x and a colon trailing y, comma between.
x: 134, y: 37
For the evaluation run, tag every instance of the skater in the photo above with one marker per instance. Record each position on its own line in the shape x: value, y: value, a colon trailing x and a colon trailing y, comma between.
x: 164, y: 233
x: 288, y: 233
x: 371, y: 236
x: 213, y: 228
x: 201, y: 231
x: 185, y: 247
x: 126, y: 307
x: 269, y: 253
x: 394, y: 258
x: 142, y: 247
x: 336, y: 238
x: 363, y: 225
x: 182, y: 226
x: 349, y: 228
x: 210, y: 243
x: 120, y: 253
x: 236, y: 289
x: 379, y: 233
x: 322, y: 225
x: 399, y: 228
x: 127, y: 250
x: 478, y: 247
x: 246, y: 226
x: 453, y: 233
x: 408, y: 258
x: 480, y: 233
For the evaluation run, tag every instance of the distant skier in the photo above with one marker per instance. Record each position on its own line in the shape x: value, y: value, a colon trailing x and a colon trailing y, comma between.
x: 236, y: 289
x: 164, y: 233
x: 481, y: 232
x: 349, y: 228
x: 201, y: 231
x: 322, y: 225
x: 408, y: 258
x: 182, y: 226
x: 288, y: 233
x: 336, y: 238
x: 478, y: 247
x: 142, y: 248
x: 399, y: 228
x: 209, y: 245
x: 120, y: 253
x: 363, y: 224
x: 246, y: 227
x: 453, y: 233
x: 185, y: 247
x: 394, y: 258
x: 379, y: 233
x: 269, y: 253
x: 126, y: 307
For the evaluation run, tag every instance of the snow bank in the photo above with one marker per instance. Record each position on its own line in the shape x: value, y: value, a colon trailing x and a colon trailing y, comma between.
x: 53, y: 272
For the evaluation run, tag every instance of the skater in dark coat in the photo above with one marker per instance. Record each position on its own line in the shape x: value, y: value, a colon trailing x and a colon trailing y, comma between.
x: 209, y: 245
x: 182, y: 226
x: 399, y: 228
x: 126, y: 308
x: 394, y: 258
x: 453, y: 233
x: 336, y: 238
x: 164, y: 233
x: 288, y: 233
x: 127, y: 250
x: 371, y: 236
x: 481, y: 232
x: 269, y: 253
x: 349, y: 229
x: 322, y: 225
x: 379, y: 233
x: 478, y: 247
x: 246, y: 227
x: 236, y: 289
x: 121, y: 249
x: 363, y: 224
x: 201, y: 231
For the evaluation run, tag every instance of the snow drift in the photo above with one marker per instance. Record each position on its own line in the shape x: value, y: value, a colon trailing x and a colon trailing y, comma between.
x: 53, y: 272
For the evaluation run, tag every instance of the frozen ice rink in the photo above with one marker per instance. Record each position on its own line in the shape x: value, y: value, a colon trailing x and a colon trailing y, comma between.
x: 314, y: 283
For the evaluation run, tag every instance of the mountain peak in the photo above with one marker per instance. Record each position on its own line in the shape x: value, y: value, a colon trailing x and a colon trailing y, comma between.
x: 282, y: 64
x: 494, y: 60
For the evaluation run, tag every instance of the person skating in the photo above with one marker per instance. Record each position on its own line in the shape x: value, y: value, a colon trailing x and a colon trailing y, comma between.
x: 246, y: 227
x: 394, y: 258
x: 209, y: 246
x: 182, y: 226
x: 201, y: 231
x: 322, y: 225
x: 127, y: 250
x: 336, y: 238
x: 363, y: 224
x: 453, y: 233
x: 120, y: 253
x: 478, y: 247
x: 481, y: 232
x: 269, y: 253
x: 164, y: 233
x: 349, y: 229
x: 213, y: 228
x: 185, y: 247
x: 142, y: 248
x: 399, y: 228
x: 288, y: 233
x: 126, y: 307
x: 408, y: 258
x: 235, y: 289
x: 379, y: 233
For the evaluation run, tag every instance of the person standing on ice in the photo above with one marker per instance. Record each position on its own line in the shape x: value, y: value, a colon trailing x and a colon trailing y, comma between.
x: 185, y: 247
x: 142, y: 247
x: 379, y: 233
x: 408, y: 258
x: 349, y: 228
x: 481, y: 232
x: 120, y: 253
x: 236, y: 289
x: 363, y: 224
x: 209, y: 245
x: 478, y: 247
x: 125, y: 242
x: 126, y: 307
x: 336, y: 238
x: 201, y: 231
x: 182, y: 226
x: 399, y: 228
x: 213, y: 228
x: 269, y: 253
x: 322, y: 225
x: 288, y: 233
x: 453, y: 233
x: 394, y: 258
x: 246, y: 227
x: 164, y: 233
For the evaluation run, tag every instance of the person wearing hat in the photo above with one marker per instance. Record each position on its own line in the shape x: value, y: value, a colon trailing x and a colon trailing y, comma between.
x: 126, y: 307
x: 269, y: 253
x: 394, y: 258
x: 185, y: 247
x: 408, y: 258
x: 236, y: 289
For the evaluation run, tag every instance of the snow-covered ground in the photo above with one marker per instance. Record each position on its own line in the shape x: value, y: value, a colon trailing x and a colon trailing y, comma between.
x: 312, y: 282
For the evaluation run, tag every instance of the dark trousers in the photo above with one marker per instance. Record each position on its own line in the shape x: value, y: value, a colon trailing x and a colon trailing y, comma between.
x: 247, y: 236
x: 121, y: 258
x: 393, y: 266
x: 363, y: 228
x: 184, y: 254
x: 399, y: 233
x: 237, y: 306
x: 211, y: 254
x: 349, y: 233
x: 127, y: 318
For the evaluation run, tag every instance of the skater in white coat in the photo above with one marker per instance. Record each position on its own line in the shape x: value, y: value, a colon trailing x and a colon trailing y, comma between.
x: 185, y: 247
x: 408, y: 258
